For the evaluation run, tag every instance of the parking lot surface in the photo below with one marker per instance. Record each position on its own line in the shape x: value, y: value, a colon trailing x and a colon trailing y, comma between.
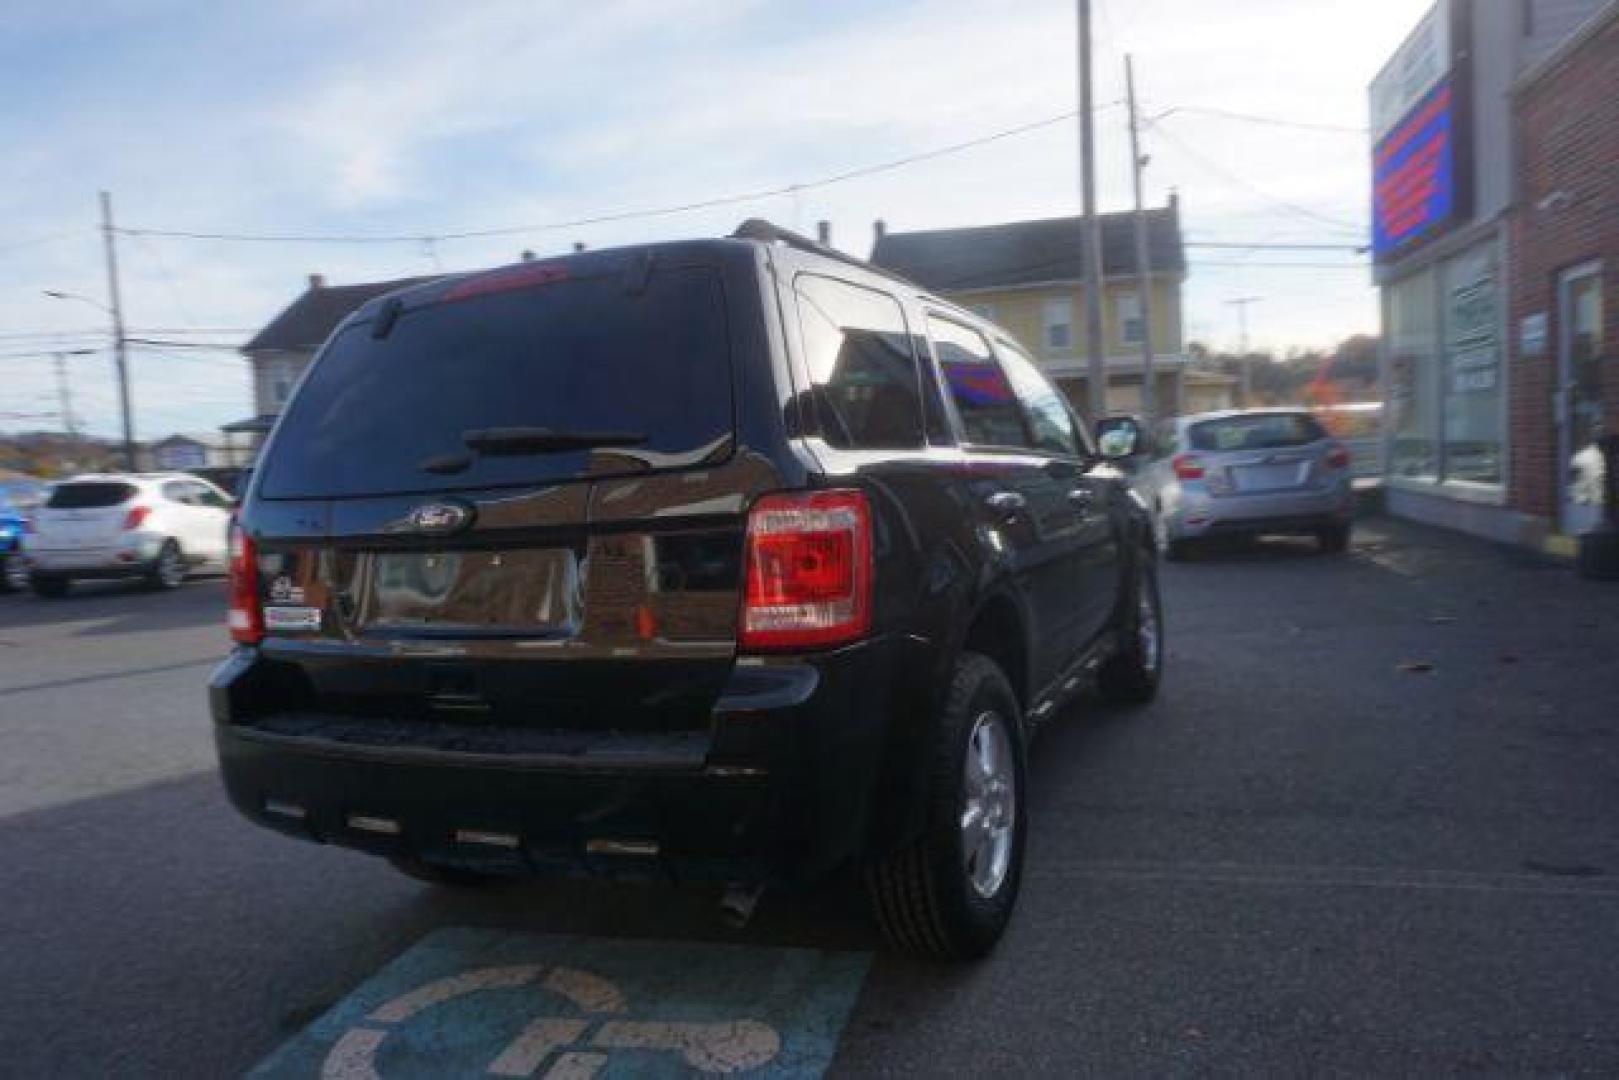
x: 1368, y: 828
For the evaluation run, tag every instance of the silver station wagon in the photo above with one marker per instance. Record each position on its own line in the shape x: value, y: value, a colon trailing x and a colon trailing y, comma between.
x: 1248, y: 472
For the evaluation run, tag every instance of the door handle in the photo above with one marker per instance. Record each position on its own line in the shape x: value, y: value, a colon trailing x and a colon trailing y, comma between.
x: 1082, y: 498
x: 1008, y: 504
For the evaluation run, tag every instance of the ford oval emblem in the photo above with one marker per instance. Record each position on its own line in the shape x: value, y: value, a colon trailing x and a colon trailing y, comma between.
x: 440, y: 518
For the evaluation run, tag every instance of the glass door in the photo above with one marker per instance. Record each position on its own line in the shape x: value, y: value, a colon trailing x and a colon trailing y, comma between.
x: 1579, y: 397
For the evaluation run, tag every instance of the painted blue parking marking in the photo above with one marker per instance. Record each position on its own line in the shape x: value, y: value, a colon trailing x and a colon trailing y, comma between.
x: 468, y: 1002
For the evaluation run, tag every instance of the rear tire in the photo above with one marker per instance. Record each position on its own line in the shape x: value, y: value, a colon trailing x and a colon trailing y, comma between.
x: 453, y: 877
x: 1131, y: 676
x: 49, y: 586
x: 1333, y: 540
x: 13, y: 575
x: 949, y: 894
x: 168, y: 569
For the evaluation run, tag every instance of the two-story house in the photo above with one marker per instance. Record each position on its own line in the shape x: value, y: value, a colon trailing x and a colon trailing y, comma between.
x: 1026, y: 276
x: 281, y: 351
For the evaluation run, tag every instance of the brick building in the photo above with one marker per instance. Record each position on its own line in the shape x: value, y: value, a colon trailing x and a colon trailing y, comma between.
x: 1564, y: 385
x: 1495, y: 140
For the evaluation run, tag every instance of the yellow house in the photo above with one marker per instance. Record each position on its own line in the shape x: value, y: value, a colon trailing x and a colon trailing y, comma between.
x: 1025, y: 276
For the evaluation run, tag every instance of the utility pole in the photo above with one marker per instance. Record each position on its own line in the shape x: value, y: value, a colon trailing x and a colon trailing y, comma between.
x: 119, y: 346
x: 1149, y: 387
x: 1241, y: 304
x: 64, y: 389
x: 1090, y: 227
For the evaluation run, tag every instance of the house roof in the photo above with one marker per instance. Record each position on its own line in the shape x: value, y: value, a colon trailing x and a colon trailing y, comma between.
x: 309, y: 320
x: 200, y: 438
x: 1027, y: 252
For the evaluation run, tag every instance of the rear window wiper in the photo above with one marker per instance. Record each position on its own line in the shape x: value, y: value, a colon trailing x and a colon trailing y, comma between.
x: 495, y: 442
x: 539, y: 440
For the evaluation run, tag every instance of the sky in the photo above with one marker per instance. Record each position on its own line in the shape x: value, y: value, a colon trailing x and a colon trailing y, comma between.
x: 413, y: 119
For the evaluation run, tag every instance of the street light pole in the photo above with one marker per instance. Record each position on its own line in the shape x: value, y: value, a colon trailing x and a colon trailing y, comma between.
x: 1149, y: 388
x: 120, y: 354
x: 1241, y: 304
x: 1090, y: 228
x: 64, y: 389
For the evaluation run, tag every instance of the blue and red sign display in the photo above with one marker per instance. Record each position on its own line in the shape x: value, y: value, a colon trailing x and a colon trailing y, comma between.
x: 1413, y: 175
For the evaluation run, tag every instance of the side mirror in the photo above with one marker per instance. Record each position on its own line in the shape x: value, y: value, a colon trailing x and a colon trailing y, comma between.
x: 1120, y: 437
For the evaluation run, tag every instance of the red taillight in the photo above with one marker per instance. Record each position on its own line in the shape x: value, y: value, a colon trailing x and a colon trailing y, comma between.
x: 136, y: 515
x: 1338, y: 457
x: 808, y: 567
x: 246, y: 617
x: 517, y: 277
x: 1188, y: 467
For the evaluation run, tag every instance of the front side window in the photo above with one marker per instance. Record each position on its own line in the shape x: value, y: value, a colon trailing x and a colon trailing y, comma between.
x: 863, y: 372
x: 1049, y: 419
x: 1057, y: 315
x: 983, y: 394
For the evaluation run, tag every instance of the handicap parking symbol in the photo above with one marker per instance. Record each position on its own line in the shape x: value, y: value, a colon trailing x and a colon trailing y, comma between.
x: 495, y: 1004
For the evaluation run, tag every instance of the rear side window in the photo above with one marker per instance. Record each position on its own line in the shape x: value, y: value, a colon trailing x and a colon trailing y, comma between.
x: 90, y: 495
x: 1263, y: 431
x: 863, y: 373
x: 990, y: 415
x: 412, y: 412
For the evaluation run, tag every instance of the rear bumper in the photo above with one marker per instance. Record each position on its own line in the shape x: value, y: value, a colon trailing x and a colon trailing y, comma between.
x: 1292, y: 512
x: 132, y: 556
x: 781, y: 787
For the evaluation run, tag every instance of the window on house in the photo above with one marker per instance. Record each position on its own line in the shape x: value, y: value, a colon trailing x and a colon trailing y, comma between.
x: 1057, y: 315
x: 1127, y: 309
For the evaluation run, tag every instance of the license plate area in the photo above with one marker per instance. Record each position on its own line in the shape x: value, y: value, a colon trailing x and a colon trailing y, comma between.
x: 532, y: 590
x: 1271, y: 476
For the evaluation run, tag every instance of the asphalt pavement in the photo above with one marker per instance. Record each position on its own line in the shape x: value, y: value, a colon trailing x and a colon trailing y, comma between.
x: 1369, y: 828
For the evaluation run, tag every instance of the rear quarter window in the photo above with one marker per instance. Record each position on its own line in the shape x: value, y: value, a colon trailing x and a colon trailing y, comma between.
x: 90, y: 496
x: 863, y: 371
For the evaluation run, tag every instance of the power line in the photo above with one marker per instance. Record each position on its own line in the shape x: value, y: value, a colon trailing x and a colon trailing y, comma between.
x: 218, y: 346
x: 1251, y: 118
x: 1221, y: 170
x: 1358, y: 267
x: 625, y: 215
x: 1266, y: 245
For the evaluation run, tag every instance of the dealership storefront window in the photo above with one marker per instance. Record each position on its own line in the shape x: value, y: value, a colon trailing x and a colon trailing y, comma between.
x: 1445, y: 407
x: 1413, y: 354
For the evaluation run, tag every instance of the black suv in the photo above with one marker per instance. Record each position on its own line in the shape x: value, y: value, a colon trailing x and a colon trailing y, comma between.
x: 735, y: 558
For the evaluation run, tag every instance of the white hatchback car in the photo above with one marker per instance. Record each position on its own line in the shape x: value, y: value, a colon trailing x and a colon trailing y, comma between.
x: 155, y: 526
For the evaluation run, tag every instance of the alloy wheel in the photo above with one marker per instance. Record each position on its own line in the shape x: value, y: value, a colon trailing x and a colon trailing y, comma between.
x: 989, y: 806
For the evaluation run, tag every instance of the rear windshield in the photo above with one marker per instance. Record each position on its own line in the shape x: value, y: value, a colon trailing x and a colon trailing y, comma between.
x: 1269, y: 431
x: 583, y: 355
x: 90, y: 496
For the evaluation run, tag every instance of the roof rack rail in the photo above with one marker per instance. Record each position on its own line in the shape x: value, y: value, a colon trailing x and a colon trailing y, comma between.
x: 769, y: 232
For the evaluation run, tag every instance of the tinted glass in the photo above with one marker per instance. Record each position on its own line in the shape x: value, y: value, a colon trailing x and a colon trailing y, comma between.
x: 1048, y: 416
x: 90, y: 495
x: 579, y: 355
x: 1263, y: 432
x: 989, y: 410
x: 860, y: 364
x: 175, y: 491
